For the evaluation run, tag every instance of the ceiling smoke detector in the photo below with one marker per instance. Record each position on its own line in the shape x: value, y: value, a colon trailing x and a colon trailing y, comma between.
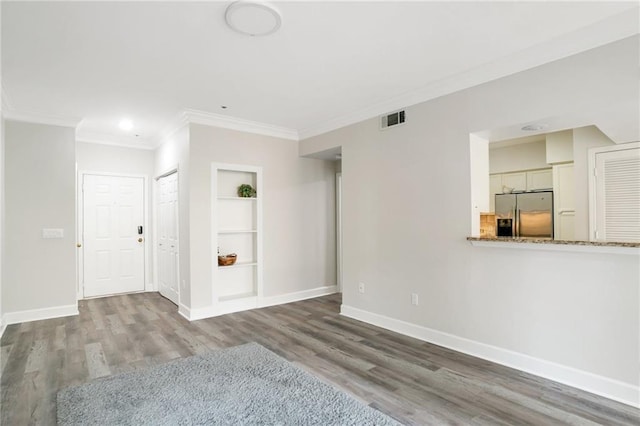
x: 253, y: 18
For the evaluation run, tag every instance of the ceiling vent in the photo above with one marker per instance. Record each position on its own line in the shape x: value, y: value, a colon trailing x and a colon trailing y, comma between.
x: 392, y: 119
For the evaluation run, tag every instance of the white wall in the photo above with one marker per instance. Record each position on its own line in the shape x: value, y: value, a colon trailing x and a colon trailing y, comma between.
x: 559, y: 146
x: 406, y: 204
x: 298, y: 210
x: 91, y: 157
x: 526, y: 156
x: 114, y: 159
x: 40, y: 193
x: 172, y: 154
x: 584, y: 138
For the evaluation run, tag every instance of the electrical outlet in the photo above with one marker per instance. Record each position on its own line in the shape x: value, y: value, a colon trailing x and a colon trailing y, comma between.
x: 414, y: 299
x: 361, y: 287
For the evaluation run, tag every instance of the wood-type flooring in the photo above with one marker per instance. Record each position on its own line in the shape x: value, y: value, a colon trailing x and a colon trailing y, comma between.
x: 410, y: 380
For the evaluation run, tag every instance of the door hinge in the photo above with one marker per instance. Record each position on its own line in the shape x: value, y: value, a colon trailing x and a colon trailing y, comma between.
x: 595, y: 234
x: 595, y: 172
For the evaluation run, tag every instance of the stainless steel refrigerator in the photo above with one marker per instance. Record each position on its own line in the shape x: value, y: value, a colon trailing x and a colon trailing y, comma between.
x: 525, y: 215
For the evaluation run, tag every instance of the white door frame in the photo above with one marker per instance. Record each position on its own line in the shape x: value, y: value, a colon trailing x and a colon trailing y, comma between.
x: 154, y: 207
x: 148, y: 286
x: 339, y: 231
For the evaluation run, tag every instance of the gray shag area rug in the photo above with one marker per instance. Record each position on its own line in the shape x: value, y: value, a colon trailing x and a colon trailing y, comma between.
x: 244, y: 385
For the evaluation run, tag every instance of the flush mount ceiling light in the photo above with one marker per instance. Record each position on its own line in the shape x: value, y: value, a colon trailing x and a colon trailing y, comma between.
x: 534, y: 127
x: 125, y: 125
x: 252, y: 18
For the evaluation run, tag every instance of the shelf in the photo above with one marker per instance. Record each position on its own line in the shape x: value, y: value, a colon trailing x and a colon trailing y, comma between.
x: 237, y: 228
x: 238, y: 265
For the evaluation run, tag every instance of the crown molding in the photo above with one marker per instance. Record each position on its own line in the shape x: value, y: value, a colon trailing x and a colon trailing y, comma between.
x: 38, y: 118
x: 178, y: 122
x: 233, y: 123
x: 612, y: 29
x: 112, y: 140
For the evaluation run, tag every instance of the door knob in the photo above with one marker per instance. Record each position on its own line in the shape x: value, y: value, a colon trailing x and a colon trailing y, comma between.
x: 139, y: 240
x: 78, y: 245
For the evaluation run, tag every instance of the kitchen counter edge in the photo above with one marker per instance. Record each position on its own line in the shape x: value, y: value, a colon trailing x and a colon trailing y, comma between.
x: 557, y: 245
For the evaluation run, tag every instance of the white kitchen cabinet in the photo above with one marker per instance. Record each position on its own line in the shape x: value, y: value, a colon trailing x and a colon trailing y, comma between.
x: 564, y: 202
x: 539, y: 179
x: 517, y: 181
x: 237, y: 228
x: 530, y: 180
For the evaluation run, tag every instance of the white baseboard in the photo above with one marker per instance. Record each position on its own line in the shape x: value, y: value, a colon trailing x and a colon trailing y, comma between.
x: 297, y: 296
x: 599, y: 385
x: 185, y: 312
x: 222, y: 308
x: 235, y: 305
x: 39, y: 314
x: 244, y: 304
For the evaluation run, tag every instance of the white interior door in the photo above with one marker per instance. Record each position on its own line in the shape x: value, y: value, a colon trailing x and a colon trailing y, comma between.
x: 113, y: 209
x: 167, y: 209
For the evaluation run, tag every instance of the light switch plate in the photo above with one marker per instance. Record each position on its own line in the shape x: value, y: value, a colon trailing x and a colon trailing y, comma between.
x: 52, y: 233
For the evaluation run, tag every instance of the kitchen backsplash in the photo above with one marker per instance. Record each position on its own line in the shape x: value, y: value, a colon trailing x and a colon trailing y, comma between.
x: 487, y: 224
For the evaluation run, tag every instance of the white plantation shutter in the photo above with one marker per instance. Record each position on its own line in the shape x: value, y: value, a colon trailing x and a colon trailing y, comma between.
x: 618, y: 195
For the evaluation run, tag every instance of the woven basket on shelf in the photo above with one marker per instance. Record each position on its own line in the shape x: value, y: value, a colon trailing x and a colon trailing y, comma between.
x: 227, y: 260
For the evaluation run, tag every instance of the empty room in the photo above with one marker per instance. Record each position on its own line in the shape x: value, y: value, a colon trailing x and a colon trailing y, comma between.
x: 320, y: 212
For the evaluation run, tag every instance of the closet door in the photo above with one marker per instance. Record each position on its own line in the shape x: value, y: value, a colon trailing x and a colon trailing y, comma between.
x: 617, y: 195
x: 168, y: 249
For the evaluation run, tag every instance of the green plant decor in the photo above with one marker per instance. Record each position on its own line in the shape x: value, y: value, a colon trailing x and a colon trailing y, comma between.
x: 246, y: 191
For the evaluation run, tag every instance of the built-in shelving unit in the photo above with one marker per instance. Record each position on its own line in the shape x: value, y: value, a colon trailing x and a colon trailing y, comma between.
x: 237, y: 228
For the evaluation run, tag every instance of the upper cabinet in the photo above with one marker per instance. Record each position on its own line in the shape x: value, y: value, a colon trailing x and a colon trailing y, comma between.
x: 539, y: 179
x: 531, y: 180
x: 517, y: 181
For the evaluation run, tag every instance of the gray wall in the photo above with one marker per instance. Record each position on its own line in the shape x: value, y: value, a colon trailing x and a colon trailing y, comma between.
x: 40, y: 193
x: 406, y: 216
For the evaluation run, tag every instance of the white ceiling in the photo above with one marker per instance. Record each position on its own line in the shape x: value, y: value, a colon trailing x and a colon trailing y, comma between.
x: 331, y: 63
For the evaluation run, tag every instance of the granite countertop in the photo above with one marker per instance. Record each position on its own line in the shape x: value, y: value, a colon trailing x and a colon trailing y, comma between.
x: 549, y: 241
